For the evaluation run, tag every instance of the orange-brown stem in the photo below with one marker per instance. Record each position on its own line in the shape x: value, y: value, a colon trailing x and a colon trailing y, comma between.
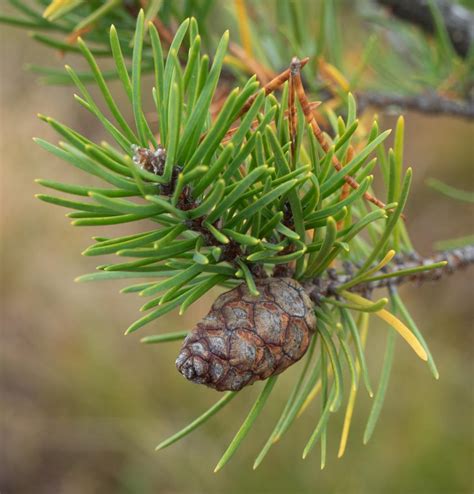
x: 73, y: 37
x: 295, y: 69
x: 228, y: 135
x: 292, y: 113
x: 274, y: 84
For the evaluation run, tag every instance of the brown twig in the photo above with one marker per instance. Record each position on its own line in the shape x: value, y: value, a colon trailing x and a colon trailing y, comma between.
x: 295, y: 69
x: 292, y: 113
x: 430, y: 103
x: 459, y: 21
x: 273, y: 85
x: 228, y: 135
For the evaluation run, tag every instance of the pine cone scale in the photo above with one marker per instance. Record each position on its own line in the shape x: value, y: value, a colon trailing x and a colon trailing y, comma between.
x: 245, y: 338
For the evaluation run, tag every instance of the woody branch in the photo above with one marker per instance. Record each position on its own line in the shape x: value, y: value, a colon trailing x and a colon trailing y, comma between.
x: 455, y: 259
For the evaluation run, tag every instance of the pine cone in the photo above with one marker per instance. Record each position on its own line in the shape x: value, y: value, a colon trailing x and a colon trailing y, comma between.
x: 245, y: 338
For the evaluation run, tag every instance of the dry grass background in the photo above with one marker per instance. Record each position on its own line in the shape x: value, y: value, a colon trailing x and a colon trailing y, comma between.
x: 82, y: 406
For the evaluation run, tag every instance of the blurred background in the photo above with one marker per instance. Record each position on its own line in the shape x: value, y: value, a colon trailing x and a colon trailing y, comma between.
x: 82, y: 406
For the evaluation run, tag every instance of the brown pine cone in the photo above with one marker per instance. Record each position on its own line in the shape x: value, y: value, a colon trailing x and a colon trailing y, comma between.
x: 245, y: 338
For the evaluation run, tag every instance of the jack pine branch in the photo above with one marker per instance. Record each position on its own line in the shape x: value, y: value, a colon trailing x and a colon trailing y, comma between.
x: 407, y: 269
x: 430, y: 103
x: 232, y: 206
x: 458, y: 20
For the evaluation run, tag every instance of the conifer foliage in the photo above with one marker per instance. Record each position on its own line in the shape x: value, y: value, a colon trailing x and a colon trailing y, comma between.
x: 234, y: 189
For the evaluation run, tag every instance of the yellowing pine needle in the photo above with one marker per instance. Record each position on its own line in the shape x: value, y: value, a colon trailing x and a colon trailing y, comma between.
x: 361, y: 277
x: 244, y: 29
x: 388, y: 257
x: 396, y: 324
x: 347, y: 420
x: 353, y: 393
x: 313, y: 393
x: 330, y: 72
x: 57, y: 8
x: 234, y: 62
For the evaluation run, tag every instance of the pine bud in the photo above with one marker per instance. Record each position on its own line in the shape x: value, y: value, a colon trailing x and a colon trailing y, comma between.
x: 247, y: 338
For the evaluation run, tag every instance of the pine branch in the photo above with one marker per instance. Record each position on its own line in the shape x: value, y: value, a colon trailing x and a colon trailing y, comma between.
x: 430, y: 103
x: 228, y: 205
x: 455, y: 259
x: 459, y: 21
